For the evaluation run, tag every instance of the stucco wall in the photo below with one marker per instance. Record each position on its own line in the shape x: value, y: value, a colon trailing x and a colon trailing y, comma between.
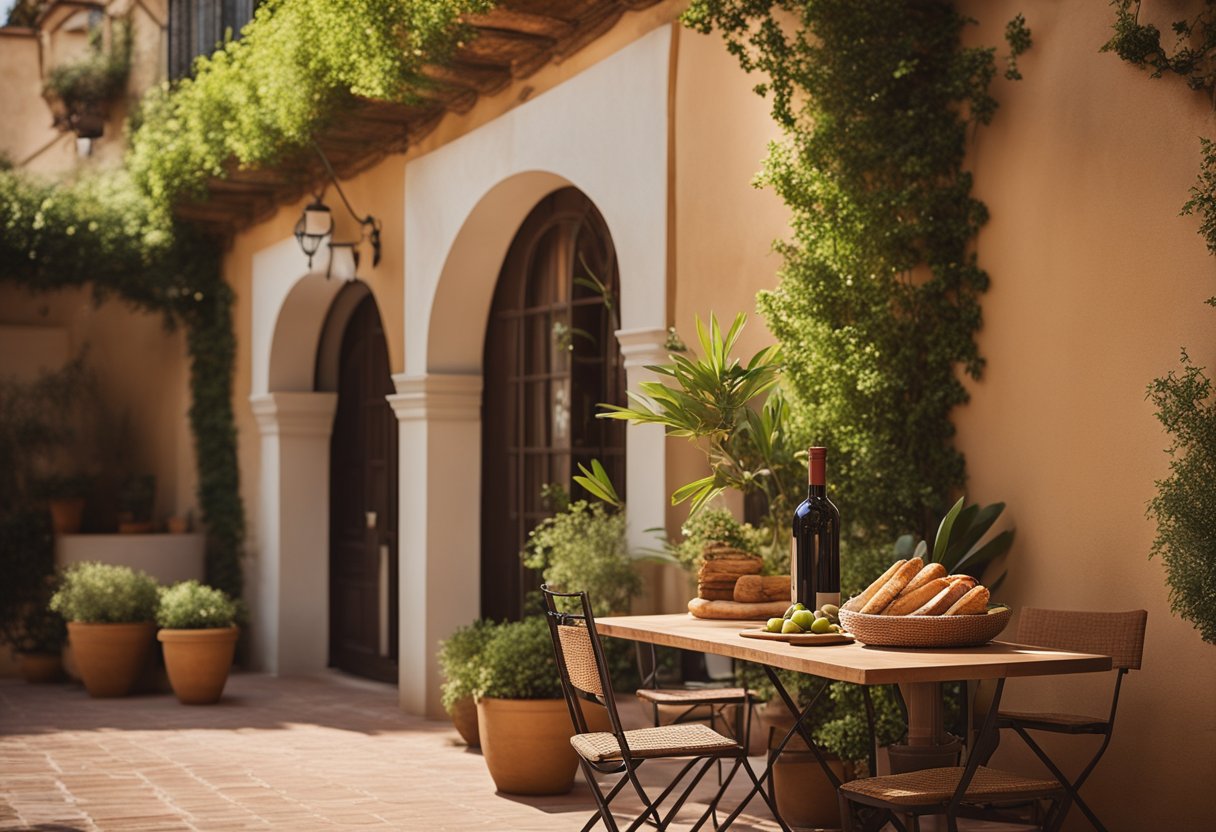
x: 143, y: 373
x: 1097, y: 282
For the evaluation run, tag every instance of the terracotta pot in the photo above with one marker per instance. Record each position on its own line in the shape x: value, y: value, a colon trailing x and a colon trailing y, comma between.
x: 110, y: 657
x: 805, y: 796
x: 198, y: 662
x: 177, y: 525
x: 464, y: 717
x: 906, y: 758
x: 67, y: 514
x: 526, y: 743
x: 40, y: 668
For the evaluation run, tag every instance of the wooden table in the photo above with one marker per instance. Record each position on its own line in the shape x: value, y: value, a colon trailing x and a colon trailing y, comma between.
x: 918, y: 672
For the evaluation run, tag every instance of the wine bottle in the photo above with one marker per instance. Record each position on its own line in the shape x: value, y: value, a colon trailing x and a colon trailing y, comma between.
x: 815, y: 556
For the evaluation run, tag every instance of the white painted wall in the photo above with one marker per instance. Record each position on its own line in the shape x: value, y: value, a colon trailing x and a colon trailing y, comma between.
x: 604, y: 131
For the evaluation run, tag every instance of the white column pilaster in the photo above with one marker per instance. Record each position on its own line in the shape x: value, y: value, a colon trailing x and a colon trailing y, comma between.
x: 291, y: 629
x: 645, y: 451
x: 439, y: 526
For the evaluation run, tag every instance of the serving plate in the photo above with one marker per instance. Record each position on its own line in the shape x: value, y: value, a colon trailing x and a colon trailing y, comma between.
x: 800, y: 639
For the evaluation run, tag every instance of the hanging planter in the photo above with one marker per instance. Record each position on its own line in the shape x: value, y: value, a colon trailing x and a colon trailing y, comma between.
x: 80, y: 93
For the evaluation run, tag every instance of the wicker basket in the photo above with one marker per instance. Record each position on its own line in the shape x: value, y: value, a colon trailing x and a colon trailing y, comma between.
x: 925, y: 630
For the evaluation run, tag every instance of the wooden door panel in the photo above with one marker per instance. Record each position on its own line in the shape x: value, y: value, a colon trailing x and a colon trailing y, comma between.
x: 363, y: 485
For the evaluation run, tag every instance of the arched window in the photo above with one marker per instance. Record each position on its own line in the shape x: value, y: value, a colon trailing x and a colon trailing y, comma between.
x: 551, y: 356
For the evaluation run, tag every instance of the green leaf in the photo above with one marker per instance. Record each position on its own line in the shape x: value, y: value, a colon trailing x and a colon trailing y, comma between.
x: 943, y: 532
x: 599, y: 483
x: 999, y: 545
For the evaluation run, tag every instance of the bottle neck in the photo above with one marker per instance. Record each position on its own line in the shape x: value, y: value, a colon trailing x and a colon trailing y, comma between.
x: 816, y: 474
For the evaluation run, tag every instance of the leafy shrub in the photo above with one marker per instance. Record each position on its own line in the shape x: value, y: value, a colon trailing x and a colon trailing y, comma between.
x: 100, y: 593
x: 99, y: 76
x: 190, y: 605
x: 460, y: 661
x: 1185, y: 505
x: 518, y: 662
x: 584, y: 549
x: 717, y: 525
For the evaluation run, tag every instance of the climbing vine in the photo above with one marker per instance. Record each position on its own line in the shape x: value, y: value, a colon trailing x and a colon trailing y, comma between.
x: 296, y: 66
x: 1184, y: 506
x: 879, y: 295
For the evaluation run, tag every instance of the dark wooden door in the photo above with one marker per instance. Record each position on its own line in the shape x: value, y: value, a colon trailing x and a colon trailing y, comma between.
x: 363, y: 505
x: 551, y: 357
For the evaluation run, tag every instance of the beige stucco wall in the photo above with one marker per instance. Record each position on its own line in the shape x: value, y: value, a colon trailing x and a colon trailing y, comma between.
x: 1097, y: 282
x: 143, y: 373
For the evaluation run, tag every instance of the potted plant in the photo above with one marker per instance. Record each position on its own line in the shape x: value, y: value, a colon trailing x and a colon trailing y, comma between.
x: 110, y: 612
x: 460, y: 661
x: 38, y: 644
x: 522, y: 718
x: 135, y: 499
x: 805, y: 796
x: 79, y: 93
x: 199, y: 632
x: 65, y: 498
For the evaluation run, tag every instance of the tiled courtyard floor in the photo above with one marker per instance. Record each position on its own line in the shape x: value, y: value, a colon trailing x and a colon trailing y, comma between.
x: 298, y: 754
x: 329, y: 752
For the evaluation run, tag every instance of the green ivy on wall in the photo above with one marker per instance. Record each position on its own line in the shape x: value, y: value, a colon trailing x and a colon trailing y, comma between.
x: 297, y: 64
x: 879, y: 295
x: 1185, y: 505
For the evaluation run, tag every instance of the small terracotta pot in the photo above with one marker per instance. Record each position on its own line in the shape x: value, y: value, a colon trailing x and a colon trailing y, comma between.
x: 464, y: 717
x: 805, y: 796
x: 40, y: 668
x: 177, y: 525
x: 526, y: 743
x: 198, y: 662
x: 110, y: 657
x: 67, y: 514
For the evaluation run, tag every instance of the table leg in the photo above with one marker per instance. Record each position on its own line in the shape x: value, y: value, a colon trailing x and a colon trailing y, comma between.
x: 925, y: 721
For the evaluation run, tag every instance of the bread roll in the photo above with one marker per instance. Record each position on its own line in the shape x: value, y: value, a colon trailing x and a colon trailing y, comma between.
x: 945, y: 599
x: 751, y: 589
x: 931, y: 572
x: 975, y: 602
x: 857, y: 602
x: 889, y: 591
x: 909, y: 602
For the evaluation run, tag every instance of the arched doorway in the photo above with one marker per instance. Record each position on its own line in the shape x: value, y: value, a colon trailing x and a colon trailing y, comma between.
x: 551, y: 356
x: 362, y: 489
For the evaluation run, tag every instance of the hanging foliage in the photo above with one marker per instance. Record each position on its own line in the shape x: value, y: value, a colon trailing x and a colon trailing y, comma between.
x: 878, y: 301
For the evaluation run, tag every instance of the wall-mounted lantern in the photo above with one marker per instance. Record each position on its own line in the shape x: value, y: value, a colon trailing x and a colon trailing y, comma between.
x: 317, y: 223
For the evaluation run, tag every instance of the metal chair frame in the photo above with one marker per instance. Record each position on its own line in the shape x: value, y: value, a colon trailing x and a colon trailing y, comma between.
x: 985, y: 743
x: 628, y: 765
x: 1023, y: 724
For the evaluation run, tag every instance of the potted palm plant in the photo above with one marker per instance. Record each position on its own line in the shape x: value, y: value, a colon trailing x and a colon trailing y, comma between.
x: 459, y: 660
x: 199, y: 632
x: 110, y: 612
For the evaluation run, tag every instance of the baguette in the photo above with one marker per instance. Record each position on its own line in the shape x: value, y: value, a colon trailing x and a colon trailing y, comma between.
x: 931, y: 572
x: 891, y: 589
x: 856, y: 603
x: 975, y: 602
x: 911, y: 601
x: 943, y: 600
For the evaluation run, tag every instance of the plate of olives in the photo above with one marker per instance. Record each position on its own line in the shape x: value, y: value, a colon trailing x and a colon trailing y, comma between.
x: 804, y: 626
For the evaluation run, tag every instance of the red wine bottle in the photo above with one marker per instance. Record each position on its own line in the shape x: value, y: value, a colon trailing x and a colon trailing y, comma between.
x: 815, y: 567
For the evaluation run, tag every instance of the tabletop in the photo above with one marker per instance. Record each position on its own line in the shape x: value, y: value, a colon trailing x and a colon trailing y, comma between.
x: 854, y: 662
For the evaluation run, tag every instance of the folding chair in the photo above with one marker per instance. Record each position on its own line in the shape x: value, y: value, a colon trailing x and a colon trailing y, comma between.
x: 1119, y: 635
x: 696, y: 703
x: 950, y: 790
x: 584, y: 675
